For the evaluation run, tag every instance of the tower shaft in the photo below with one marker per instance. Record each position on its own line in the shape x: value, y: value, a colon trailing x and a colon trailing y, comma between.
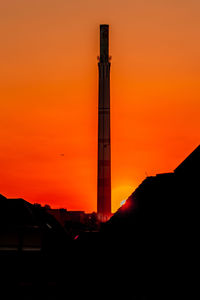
x: 104, y: 155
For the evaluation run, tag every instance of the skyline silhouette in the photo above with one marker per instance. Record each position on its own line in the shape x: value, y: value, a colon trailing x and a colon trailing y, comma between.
x: 66, y: 229
x: 146, y: 240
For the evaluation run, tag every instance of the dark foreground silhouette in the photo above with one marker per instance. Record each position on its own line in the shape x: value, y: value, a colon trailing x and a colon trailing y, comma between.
x: 145, y: 251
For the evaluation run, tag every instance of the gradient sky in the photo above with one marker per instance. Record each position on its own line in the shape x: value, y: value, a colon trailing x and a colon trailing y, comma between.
x: 49, y: 95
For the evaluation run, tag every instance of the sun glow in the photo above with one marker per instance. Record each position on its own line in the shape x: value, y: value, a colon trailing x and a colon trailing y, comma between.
x: 122, y: 202
x: 119, y: 196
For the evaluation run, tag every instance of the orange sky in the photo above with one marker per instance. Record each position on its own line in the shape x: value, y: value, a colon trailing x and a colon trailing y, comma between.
x: 49, y: 95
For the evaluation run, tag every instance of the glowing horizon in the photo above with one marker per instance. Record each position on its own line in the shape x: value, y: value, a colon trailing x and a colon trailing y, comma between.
x: 49, y: 96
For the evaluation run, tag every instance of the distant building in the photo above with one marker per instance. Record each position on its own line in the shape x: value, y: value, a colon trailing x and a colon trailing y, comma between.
x: 62, y: 215
x: 59, y: 214
x: 75, y: 222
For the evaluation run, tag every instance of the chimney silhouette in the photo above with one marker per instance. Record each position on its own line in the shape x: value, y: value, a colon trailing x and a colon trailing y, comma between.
x: 104, y: 157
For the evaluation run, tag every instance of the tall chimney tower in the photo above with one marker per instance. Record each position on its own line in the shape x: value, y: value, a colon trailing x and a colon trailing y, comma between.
x: 104, y: 162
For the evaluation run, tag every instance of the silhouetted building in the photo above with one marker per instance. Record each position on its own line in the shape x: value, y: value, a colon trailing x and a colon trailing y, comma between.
x: 163, y: 210
x: 60, y: 214
x: 75, y: 222
x: 104, y: 157
x: 63, y: 215
x: 154, y: 235
x: 27, y: 227
x: 190, y: 167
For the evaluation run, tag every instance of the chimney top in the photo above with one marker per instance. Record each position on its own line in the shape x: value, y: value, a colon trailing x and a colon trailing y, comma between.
x: 104, y: 43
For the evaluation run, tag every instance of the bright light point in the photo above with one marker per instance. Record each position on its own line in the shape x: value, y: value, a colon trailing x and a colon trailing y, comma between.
x: 122, y: 202
x: 119, y: 193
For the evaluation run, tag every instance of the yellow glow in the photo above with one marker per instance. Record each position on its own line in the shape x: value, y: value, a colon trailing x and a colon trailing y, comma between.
x: 119, y: 195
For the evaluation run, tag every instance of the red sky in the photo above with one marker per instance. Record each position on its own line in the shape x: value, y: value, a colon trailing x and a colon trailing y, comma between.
x: 49, y: 95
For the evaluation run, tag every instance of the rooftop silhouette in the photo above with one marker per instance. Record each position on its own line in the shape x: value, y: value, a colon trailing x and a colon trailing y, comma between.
x: 157, y: 221
x: 162, y: 209
x: 28, y: 227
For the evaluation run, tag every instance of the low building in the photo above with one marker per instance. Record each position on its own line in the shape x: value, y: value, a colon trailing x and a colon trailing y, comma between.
x: 28, y: 227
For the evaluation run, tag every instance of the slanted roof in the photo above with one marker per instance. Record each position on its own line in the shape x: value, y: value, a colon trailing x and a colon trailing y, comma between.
x: 191, y: 165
